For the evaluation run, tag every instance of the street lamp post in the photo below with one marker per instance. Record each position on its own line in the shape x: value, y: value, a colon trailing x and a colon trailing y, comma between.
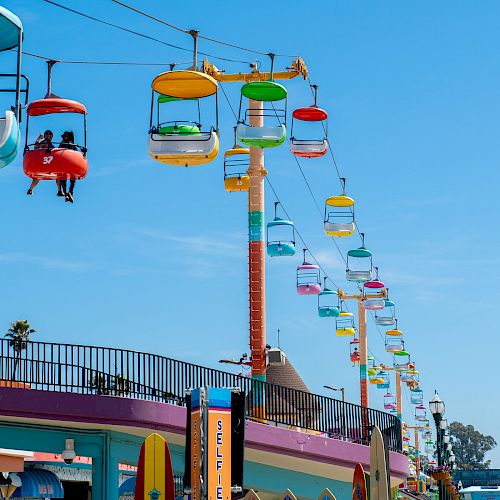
x: 342, y: 418
x: 341, y: 389
x: 437, y: 408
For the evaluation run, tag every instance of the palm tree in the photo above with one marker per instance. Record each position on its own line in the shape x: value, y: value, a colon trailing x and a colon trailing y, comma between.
x: 109, y: 385
x: 19, y: 335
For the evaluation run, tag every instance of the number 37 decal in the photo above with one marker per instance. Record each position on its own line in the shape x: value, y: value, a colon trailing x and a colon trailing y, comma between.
x: 47, y: 160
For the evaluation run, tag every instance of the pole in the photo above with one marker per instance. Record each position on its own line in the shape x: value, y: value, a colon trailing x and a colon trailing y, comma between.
x: 18, y: 77
x: 399, y: 396
x: 437, y: 420
x: 363, y: 354
x: 257, y: 263
x: 417, y: 448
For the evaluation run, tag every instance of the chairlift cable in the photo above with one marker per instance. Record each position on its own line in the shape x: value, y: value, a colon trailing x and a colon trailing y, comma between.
x: 139, y: 34
x: 209, y: 39
x: 317, y: 206
x: 298, y: 233
x: 117, y: 63
x: 228, y: 101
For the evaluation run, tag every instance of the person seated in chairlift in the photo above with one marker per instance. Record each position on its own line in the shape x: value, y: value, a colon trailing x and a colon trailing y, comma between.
x: 68, y: 142
x: 355, y: 355
x: 44, y: 142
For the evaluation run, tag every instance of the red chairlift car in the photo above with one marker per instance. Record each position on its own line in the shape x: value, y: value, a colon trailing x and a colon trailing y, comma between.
x: 58, y: 163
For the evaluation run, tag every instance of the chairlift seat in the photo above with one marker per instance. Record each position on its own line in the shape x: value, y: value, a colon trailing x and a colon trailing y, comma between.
x: 261, y: 137
x: 328, y: 312
x: 311, y: 289
x: 339, y: 229
x: 55, y: 164
x: 393, y: 347
x: 9, y: 138
x: 345, y: 332
x: 373, y: 304
x: 281, y: 247
x: 358, y: 276
x: 237, y: 183
x: 180, y: 130
x: 308, y: 148
x: 385, y: 320
x: 189, y: 150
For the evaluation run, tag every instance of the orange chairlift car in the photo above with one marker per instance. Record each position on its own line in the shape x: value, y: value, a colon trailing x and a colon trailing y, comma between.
x: 57, y: 163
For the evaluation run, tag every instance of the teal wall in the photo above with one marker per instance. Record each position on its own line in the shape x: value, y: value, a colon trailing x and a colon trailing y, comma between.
x: 108, y: 449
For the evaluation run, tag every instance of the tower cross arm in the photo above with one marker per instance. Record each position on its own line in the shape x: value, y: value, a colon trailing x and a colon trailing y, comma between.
x: 379, y: 295
x: 298, y: 68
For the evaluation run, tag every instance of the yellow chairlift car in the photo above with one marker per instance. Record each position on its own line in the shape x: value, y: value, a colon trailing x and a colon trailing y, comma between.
x: 182, y: 142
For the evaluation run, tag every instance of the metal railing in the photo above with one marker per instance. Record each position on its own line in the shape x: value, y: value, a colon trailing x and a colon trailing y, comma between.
x: 120, y: 372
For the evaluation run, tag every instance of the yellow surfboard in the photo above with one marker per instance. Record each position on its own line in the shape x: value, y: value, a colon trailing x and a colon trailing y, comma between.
x: 155, y: 479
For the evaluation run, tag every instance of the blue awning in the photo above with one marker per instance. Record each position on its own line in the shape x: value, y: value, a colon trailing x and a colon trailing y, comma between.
x: 39, y: 483
x: 127, y: 488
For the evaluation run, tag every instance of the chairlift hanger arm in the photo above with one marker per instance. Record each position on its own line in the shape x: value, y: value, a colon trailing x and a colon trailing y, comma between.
x: 378, y: 295
x: 298, y: 68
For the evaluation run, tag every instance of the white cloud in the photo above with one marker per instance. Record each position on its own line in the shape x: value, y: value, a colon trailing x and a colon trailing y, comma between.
x: 45, y: 262
x: 213, y: 246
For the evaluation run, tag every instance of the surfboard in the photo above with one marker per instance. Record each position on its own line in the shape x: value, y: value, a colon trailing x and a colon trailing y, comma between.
x: 379, y: 487
x: 288, y: 495
x: 359, y: 483
x: 251, y: 495
x: 155, y: 479
x: 326, y: 494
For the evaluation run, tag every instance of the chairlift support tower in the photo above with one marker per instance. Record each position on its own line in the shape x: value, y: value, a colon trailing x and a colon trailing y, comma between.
x: 363, y: 342
x: 256, y: 230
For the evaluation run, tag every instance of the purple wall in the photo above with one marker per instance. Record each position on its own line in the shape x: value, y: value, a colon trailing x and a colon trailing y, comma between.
x: 118, y: 411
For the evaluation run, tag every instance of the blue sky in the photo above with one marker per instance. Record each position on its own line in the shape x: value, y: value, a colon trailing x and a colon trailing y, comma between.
x: 153, y: 257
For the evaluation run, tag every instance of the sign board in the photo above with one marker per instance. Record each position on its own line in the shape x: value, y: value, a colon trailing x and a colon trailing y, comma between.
x: 218, y: 444
x: 196, y: 445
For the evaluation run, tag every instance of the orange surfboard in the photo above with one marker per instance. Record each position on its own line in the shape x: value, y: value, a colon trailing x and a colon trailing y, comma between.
x: 359, y: 483
x: 155, y: 478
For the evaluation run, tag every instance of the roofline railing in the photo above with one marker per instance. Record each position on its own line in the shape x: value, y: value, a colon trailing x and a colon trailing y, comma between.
x: 121, y: 372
